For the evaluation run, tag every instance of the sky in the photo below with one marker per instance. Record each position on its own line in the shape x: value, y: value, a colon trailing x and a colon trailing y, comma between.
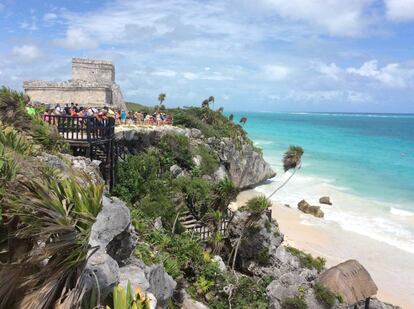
x: 251, y: 55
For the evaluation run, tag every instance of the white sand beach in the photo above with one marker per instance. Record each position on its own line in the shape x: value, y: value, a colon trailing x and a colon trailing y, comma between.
x: 391, y: 268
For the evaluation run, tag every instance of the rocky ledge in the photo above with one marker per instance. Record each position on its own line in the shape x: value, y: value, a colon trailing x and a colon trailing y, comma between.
x: 239, y: 160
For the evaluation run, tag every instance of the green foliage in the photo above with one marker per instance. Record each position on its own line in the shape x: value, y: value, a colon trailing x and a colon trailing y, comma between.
x: 13, y: 113
x: 13, y: 110
x: 48, y: 136
x: 295, y: 302
x: 326, y: 296
x: 177, y: 148
x: 196, y: 193
x: 14, y: 141
x: 53, y: 218
x: 209, y: 163
x: 250, y: 294
x: 210, y: 123
x: 263, y: 257
x: 257, y: 204
x: 307, y: 260
x: 292, y: 157
x: 128, y: 299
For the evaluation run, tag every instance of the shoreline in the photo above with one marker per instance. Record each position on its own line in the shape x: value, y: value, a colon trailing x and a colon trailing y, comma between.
x: 328, y: 240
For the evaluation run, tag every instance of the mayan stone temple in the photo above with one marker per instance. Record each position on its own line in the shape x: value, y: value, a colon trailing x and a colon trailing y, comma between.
x: 92, y: 84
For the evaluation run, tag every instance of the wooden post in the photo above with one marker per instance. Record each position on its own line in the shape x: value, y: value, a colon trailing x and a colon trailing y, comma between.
x: 367, y: 302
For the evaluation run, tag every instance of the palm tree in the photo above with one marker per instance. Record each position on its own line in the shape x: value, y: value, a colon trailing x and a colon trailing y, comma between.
x: 256, y: 206
x: 243, y: 120
x: 211, y: 100
x: 205, y: 104
x: 161, y: 98
x: 220, y: 110
x: 291, y: 159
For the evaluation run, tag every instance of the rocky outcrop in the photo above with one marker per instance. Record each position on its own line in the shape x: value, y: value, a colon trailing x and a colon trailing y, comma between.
x: 64, y: 163
x: 245, y: 166
x: 239, y: 160
x: 259, y: 241
x: 325, y: 200
x: 308, y: 209
x: 112, y: 243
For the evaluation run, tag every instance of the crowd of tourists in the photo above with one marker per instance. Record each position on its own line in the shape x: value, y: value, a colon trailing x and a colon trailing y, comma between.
x: 121, y: 117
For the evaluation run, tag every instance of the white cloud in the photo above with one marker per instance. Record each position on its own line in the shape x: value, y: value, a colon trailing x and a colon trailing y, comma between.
x: 77, y: 38
x: 276, y: 72
x: 29, y: 26
x: 165, y: 73
x: 206, y: 76
x: 391, y: 75
x: 26, y: 53
x: 50, y: 17
x: 337, y: 17
x: 400, y: 10
x: 331, y: 70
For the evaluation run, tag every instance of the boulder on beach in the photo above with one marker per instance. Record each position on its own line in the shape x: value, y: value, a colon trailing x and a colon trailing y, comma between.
x: 308, y: 209
x: 325, y: 200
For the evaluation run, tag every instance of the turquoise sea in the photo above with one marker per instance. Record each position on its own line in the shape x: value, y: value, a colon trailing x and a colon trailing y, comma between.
x: 364, y: 162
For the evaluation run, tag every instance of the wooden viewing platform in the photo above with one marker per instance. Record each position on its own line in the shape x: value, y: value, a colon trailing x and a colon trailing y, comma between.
x: 89, y: 137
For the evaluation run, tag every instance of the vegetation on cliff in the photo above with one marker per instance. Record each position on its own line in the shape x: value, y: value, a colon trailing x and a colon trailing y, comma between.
x: 47, y: 215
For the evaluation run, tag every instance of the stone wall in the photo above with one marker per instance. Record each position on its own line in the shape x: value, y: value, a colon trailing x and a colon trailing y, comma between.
x: 93, y: 84
x: 97, y: 96
x: 93, y: 70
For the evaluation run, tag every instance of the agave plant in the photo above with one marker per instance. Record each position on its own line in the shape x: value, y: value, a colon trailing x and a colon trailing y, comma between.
x: 14, y: 141
x: 49, y: 222
x: 128, y: 299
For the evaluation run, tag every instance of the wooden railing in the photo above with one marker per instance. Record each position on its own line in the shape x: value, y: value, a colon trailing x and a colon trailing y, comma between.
x: 82, y: 128
x: 203, y: 231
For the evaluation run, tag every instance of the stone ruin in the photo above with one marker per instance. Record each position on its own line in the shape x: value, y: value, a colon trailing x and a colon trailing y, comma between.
x: 92, y: 84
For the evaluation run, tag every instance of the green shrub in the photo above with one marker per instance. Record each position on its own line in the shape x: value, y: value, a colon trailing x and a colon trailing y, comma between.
x: 209, y: 163
x: 295, y: 302
x: 257, y: 204
x: 325, y: 295
x: 177, y: 148
x: 263, y: 257
x: 307, y: 260
x: 196, y: 192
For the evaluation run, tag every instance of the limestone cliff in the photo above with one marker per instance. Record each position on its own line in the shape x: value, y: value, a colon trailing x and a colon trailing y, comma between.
x: 238, y: 160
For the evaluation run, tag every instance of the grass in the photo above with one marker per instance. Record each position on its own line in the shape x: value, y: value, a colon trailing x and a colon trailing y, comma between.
x: 327, y: 297
x: 307, y: 260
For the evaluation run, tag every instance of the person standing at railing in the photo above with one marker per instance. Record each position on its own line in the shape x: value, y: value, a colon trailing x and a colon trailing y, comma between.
x: 123, y: 117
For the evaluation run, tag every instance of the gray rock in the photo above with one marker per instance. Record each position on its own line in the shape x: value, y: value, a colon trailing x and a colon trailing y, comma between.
x: 197, y: 160
x: 114, y: 239
x: 150, y: 279
x: 245, y: 166
x: 162, y: 285
x: 220, y: 173
x: 259, y: 241
x: 176, y: 170
x: 241, y: 162
x: 325, y: 200
x: 189, y: 303
x: 106, y: 270
x: 64, y: 163
x: 113, y: 231
x: 217, y: 259
x: 158, y: 224
x: 308, y: 209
